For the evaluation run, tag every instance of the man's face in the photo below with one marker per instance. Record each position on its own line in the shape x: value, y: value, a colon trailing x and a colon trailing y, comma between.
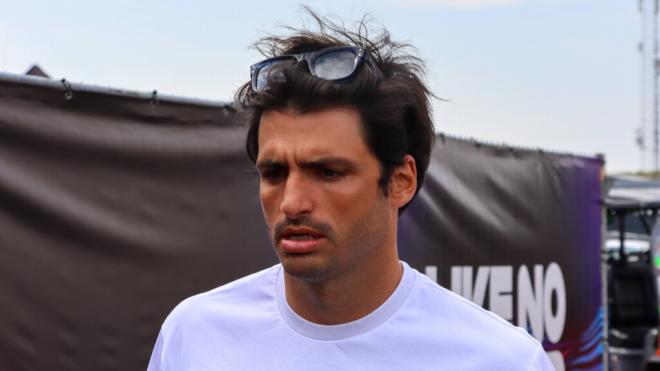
x: 319, y: 192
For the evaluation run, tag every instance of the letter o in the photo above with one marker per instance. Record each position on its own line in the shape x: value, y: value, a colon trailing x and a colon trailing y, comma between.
x: 554, y: 322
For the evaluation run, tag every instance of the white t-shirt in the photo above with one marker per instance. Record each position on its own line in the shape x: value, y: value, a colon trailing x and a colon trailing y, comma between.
x: 248, y: 325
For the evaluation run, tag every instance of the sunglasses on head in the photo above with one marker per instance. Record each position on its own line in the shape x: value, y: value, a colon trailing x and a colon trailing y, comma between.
x: 334, y: 63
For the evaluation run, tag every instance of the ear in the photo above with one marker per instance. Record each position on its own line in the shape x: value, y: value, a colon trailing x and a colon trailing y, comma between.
x: 403, y: 182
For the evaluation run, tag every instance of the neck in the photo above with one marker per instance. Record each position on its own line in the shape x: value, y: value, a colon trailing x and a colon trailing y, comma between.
x: 350, y: 295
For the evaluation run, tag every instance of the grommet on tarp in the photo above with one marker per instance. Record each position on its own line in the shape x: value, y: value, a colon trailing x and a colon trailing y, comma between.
x: 154, y: 98
x: 68, y: 92
x: 228, y: 109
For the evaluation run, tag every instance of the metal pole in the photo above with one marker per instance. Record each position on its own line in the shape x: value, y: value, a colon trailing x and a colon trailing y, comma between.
x: 641, y: 133
x: 655, y: 88
x: 622, y: 236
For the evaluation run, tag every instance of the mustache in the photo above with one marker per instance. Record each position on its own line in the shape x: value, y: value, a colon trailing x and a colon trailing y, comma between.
x: 305, y: 221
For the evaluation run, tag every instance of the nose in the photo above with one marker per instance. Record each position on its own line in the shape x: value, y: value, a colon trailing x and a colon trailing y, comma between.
x: 297, y: 198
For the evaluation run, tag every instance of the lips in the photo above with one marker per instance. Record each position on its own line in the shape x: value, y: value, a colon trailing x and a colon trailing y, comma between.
x: 300, y: 240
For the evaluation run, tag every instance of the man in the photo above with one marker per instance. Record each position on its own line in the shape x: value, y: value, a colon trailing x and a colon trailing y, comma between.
x: 341, y: 134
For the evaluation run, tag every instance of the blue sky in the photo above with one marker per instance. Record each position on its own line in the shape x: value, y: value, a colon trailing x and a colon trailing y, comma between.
x: 562, y: 75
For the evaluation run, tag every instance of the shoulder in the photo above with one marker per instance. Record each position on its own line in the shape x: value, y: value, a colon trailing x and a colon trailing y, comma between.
x: 469, y: 327
x: 239, y: 298
x: 204, y: 323
x: 461, y: 309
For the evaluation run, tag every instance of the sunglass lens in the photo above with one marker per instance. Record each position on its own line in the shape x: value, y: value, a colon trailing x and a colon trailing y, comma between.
x: 334, y: 65
x: 269, y: 71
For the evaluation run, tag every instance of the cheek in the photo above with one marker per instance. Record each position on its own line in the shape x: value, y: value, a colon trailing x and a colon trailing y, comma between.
x: 366, y: 229
x: 352, y: 203
x: 269, y: 202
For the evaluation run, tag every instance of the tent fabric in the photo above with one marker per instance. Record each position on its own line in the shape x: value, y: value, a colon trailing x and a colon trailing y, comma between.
x: 633, y: 193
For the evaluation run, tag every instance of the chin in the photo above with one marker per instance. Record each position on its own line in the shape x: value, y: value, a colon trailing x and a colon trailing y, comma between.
x: 306, y: 268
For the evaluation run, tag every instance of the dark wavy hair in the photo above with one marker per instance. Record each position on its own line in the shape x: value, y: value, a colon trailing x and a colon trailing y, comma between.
x: 394, y: 107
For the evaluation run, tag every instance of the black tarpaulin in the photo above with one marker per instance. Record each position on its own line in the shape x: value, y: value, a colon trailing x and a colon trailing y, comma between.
x: 113, y: 208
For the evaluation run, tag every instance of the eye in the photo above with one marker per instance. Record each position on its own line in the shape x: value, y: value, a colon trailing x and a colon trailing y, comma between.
x: 273, y: 174
x: 329, y: 173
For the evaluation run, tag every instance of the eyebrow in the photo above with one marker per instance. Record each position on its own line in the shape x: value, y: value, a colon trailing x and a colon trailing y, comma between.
x: 268, y: 163
x: 314, y: 164
x: 325, y: 161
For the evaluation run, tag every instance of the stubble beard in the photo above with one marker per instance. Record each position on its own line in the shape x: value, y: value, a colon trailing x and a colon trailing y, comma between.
x: 311, y: 267
x: 337, y: 255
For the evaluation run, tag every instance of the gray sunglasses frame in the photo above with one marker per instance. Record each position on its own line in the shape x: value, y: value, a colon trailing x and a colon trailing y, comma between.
x: 309, y: 58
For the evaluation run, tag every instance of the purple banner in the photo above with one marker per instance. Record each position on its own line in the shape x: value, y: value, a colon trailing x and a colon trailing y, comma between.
x: 517, y: 232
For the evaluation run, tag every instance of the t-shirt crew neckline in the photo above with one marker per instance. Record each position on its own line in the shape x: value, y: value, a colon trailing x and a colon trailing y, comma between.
x: 349, y: 329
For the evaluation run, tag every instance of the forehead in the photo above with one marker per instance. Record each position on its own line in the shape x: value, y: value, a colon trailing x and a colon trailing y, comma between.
x: 332, y: 131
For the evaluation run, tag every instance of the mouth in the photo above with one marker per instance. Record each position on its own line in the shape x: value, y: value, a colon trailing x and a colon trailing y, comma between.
x: 302, y: 237
x: 299, y: 240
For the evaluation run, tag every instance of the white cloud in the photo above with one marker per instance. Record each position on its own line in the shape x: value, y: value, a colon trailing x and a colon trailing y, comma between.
x: 455, y: 4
